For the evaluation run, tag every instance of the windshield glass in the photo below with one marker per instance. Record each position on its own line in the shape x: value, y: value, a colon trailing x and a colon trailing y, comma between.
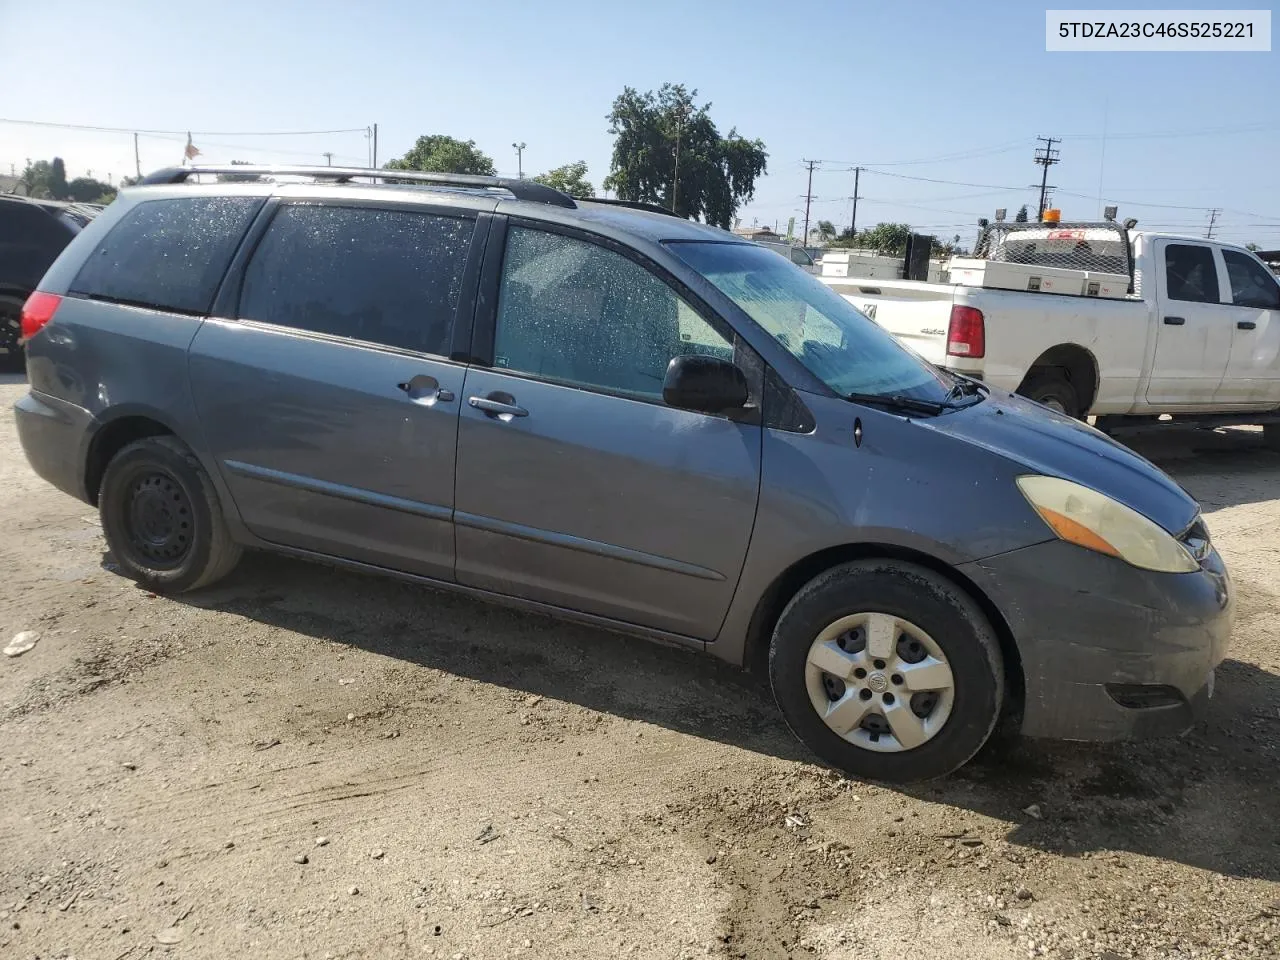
x: 839, y: 344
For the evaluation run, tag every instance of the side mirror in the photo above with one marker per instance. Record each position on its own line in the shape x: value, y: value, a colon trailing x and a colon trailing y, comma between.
x: 705, y: 384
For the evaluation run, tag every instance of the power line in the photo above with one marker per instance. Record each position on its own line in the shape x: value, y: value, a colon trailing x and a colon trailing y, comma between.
x: 962, y: 155
x: 197, y: 133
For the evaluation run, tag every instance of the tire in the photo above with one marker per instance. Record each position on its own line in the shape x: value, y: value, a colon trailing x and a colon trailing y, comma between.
x: 162, y: 518
x: 1052, y: 389
x: 937, y: 615
x: 12, y: 356
x: 1271, y: 435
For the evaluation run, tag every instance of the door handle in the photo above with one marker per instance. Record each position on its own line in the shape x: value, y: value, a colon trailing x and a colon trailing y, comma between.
x: 1245, y: 325
x: 425, y: 390
x: 1175, y: 321
x: 499, y: 406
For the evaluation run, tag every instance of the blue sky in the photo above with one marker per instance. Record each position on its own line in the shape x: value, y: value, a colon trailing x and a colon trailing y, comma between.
x: 872, y: 83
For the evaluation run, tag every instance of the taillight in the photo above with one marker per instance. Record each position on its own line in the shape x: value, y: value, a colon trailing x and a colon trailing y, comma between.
x: 37, y: 311
x: 967, y: 334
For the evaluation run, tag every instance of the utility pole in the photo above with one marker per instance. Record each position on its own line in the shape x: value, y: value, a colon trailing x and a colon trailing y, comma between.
x: 375, y: 146
x: 137, y: 163
x: 808, y: 198
x: 1213, y: 218
x: 1046, y: 156
x: 328, y: 158
x: 519, y: 148
x: 853, y: 224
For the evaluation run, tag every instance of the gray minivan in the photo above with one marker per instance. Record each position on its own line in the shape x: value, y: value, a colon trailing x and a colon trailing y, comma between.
x: 618, y: 416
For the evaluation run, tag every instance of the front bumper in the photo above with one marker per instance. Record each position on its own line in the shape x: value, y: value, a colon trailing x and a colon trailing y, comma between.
x: 1109, y: 651
x: 54, y: 434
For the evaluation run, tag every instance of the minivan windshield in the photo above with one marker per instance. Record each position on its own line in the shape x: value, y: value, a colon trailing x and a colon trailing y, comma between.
x: 838, y: 343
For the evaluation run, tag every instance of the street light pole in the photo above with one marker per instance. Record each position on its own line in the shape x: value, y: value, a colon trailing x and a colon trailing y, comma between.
x: 519, y: 148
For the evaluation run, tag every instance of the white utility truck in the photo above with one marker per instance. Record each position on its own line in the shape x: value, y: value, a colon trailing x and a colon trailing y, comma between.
x: 1094, y: 318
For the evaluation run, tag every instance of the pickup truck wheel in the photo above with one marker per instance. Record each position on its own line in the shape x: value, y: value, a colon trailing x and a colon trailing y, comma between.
x: 1054, y: 391
x: 887, y: 671
x: 162, y: 519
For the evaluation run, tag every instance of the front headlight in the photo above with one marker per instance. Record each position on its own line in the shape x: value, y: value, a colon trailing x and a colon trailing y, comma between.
x: 1091, y: 520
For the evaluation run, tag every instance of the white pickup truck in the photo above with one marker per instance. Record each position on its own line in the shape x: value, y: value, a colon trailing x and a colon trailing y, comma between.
x: 1185, y: 326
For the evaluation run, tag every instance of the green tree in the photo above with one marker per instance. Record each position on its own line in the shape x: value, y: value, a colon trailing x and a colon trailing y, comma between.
x: 890, y: 238
x: 571, y: 178
x: 1022, y: 215
x: 1252, y: 247
x: 35, y: 178
x: 89, y: 190
x: 438, y: 153
x: 669, y: 152
x: 58, y: 179
x: 826, y: 231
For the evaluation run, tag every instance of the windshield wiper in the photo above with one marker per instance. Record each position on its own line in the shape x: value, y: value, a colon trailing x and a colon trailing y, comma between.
x: 963, y: 387
x: 899, y: 402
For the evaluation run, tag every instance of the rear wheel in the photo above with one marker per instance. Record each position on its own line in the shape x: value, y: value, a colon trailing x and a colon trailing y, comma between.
x: 1052, y: 389
x: 11, y: 352
x: 887, y: 671
x: 162, y: 519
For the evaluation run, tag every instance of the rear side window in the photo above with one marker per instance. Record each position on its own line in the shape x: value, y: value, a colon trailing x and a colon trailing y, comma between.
x: 167, y: 254
x: 1190, y: 273
x: 1252, y: 284
x: 390, y: 277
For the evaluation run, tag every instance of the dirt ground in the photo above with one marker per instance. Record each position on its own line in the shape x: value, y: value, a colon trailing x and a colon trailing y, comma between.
x: 309, y: 763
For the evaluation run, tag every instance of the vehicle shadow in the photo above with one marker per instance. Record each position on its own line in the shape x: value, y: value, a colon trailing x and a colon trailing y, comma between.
x: 1189, y: 800
x: 12, y: 378
x: 1220, y: 468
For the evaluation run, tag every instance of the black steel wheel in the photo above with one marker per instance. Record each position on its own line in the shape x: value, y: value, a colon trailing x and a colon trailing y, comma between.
x: 162, y: 518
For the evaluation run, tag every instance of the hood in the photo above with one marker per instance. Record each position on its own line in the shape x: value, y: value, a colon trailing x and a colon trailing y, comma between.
x: 1055, y: 445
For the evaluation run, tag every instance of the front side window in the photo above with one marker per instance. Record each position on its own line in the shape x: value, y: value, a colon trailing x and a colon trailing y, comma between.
x: 837, y: 343
x: 577, y: 313
x: 1252, y: 284
x: 167, y: 254
x: 1190, y: 273
x: 390, y: 277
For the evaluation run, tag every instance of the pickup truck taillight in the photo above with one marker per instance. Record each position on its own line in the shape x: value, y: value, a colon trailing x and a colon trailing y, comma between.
x: 967, y: 334
x: 37, y: 311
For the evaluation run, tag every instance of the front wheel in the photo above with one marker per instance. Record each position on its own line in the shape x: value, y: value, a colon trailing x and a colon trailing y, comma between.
x: 162, y: 518
x: 887, y: 671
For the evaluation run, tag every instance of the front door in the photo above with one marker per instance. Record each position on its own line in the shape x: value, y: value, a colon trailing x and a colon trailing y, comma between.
x: 1193, y: 329
x: 329, y: 403
x: 577, y: 486
x: 1253, y: 369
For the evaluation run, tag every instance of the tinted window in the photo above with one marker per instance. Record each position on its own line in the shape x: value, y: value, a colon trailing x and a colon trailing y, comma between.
x: 575, y: 312
x: 384, y: 276
x: 169, y: 254
x: 1190, y: 273
x: 1252, y: 284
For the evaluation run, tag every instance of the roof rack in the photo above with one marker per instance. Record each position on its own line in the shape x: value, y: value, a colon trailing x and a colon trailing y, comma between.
x: 520, y: 189
x: 635, y: 205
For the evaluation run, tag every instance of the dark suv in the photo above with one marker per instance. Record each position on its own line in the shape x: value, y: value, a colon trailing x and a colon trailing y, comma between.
x: 625, y: 418
x: 32, y: 234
